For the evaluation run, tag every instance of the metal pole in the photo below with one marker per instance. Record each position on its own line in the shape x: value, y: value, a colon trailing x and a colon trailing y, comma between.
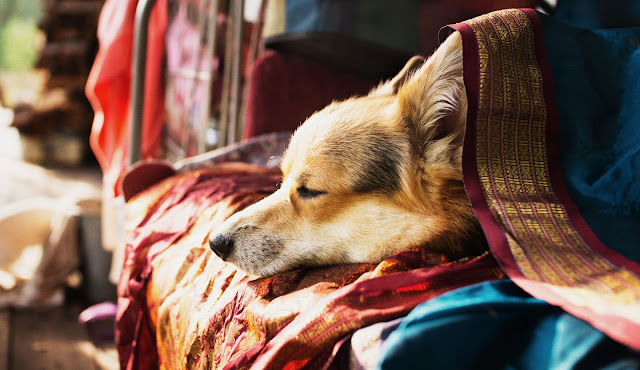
x: 226, y: 80
x: 139, y: 62
x: 212, y: 13
x: 237, y: 11
x: 211, y: 50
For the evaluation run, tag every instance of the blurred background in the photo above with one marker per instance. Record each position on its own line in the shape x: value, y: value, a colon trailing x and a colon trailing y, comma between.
x: 52, y: 265
x: 20, y: 41
x: 46, y: 52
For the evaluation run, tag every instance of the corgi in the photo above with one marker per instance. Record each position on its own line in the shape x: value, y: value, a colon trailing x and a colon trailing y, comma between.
x: 366, y: 178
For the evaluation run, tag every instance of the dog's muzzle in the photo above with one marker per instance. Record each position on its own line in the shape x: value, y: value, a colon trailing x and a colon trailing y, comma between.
x: 221, y: 246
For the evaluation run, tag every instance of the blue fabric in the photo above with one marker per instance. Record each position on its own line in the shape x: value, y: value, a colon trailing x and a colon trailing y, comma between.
x: 596, y: 77
x: 599, y: 14
x: 391, y: 24
x: 496, y: 325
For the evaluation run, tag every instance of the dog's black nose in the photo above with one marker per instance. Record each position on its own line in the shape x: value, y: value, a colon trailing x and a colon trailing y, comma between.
x: 221, y: 246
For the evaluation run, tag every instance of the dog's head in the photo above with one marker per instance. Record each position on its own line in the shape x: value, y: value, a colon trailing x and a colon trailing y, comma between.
x: 365, y: 178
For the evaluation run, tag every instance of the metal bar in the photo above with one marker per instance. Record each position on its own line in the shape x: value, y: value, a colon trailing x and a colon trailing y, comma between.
x: 212, y: 13
x: 256, y: 47
x: 226, y: 80
x: 138, y: 74
x: 192, y: 121
x: 236, y: 70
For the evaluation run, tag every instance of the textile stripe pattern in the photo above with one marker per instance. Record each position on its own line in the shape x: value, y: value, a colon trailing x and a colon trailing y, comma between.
x: 548, y: 255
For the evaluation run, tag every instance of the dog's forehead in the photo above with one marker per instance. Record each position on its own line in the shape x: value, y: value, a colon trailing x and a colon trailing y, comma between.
x: 342, y: 122
x: 311, y: 158
x: 329, y: 132
x: 355, y: 143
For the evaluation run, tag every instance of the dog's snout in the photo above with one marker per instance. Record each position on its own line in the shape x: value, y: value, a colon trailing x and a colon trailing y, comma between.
x: 221, y: 246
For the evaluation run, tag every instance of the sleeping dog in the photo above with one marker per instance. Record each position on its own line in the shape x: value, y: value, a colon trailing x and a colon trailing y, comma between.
x: 366, y: 178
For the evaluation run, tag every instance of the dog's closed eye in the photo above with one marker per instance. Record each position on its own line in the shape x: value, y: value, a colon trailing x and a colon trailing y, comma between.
x: 306, y: 193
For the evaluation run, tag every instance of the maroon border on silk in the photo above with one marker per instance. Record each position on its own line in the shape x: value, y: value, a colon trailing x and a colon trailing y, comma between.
x: 618, y: 327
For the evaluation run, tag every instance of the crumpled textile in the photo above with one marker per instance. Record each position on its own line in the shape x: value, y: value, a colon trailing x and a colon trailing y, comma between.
x: 180, y: 306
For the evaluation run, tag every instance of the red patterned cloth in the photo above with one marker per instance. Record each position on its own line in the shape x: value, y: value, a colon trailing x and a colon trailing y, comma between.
x: 181, y: 307
x: 157, y: 219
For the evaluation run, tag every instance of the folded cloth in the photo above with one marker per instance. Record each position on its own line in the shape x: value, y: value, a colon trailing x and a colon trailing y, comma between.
x: 553, y: 120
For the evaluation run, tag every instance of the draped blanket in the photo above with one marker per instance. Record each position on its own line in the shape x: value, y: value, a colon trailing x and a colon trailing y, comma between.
x: 181, y: 307
x: 552, y: 168
x: 552, y: 154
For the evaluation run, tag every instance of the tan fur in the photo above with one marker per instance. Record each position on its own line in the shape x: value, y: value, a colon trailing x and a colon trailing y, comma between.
x: 368, y: 177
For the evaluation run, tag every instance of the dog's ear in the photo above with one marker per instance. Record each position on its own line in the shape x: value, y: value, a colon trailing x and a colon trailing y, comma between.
x: 392, y: 86
x: 432, y: 101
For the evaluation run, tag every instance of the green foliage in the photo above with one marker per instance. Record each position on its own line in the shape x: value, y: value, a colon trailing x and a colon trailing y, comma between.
x: 29, y: 9
x: 17, y: 44
x: 18, y: 29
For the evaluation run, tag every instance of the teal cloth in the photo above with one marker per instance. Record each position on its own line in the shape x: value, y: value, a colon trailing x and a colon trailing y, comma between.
x: 596, y: 77
x: 381, y: 22
x: 496, y: 325
x: 599, y: 13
